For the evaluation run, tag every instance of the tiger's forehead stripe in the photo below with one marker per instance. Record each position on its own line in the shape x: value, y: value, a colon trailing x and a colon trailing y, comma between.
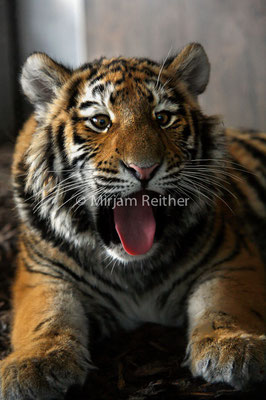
x: 96, y: 99
x: 73, y: 92
x: 87, y: 104
x: 105, y: 88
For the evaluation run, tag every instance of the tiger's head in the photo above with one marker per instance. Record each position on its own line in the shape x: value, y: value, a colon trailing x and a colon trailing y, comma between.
x: 117, y: 141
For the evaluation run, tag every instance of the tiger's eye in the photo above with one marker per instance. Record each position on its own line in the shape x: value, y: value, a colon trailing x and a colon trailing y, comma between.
x: 163, y: 117
x: 101, y: 121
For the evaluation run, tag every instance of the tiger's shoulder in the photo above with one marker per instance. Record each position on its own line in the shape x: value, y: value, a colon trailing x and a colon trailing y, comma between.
x: 247, y: 181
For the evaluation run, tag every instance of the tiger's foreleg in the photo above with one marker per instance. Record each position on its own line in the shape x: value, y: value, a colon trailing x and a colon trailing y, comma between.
x: 226, y: 313
x: 49, y: 339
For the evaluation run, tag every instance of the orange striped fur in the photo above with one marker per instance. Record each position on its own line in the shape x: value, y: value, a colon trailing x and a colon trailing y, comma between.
x: 95, y: 133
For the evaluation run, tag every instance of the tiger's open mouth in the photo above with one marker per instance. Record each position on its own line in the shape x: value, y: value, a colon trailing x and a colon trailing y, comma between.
x: 132, y: 221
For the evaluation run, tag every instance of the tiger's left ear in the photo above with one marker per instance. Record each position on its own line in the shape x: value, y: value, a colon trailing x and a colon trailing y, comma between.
x: 192, y: 66
x: 41, y: 78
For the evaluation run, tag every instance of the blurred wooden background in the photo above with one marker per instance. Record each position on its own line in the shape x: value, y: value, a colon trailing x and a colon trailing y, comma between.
x: 232, y: 32
x: 74, y: 31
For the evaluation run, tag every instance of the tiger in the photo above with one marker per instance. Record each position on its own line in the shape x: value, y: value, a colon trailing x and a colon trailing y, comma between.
x: 188, y: 249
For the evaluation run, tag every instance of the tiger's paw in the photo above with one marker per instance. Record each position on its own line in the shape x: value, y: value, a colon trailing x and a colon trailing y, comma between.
x: 236, y: 359
x: 42, y: 378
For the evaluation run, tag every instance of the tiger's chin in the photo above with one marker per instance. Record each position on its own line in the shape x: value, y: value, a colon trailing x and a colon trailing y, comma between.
x: 117, y: 252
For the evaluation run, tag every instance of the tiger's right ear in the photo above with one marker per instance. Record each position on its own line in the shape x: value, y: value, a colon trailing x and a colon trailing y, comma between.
x: 41, y: 78
x: 191, y: 65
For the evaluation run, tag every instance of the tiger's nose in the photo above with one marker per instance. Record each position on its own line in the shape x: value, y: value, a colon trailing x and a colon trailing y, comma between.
x: 143, y: 173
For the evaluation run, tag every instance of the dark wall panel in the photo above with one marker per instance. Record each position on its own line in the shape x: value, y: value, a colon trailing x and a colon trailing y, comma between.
x: 8, y: 84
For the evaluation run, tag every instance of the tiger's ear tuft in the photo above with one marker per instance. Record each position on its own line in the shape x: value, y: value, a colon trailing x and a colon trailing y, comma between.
x: 192, y: 66
x: 41, y: 77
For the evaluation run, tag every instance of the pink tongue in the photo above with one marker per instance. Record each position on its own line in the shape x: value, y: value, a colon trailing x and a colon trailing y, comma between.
x: 135, y: 225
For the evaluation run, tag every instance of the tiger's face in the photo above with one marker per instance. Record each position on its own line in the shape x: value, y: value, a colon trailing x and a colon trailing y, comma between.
x: 123, y: 136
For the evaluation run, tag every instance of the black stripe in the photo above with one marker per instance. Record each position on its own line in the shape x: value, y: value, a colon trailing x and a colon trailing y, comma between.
x: 150, y: 96
x: 252, y: 219
x: 116, y: 69
x: 195, y: 121
x: 256, y: 153
x: 217, y: 273
x: 137, y: 80
x: 235, y: 252
x: 113, y: 98
x: 31, y: 269
x: 175, y: 97
x: 175, y: 176
x: 108, y: 170
x: 105, y: 186
x: 254, y: 183
x: 208, y: 144
x: 85, y: 66
x: 41, y: 324
x: 211, y: 277
x: 78, y: 278
x: 78, y: 159
x: 109, y: 283
x: 196, y: 126
x: 259, y: 139
x: 122, y: 93
x: 73, y: 93
x: 110, y: 299
x: 186, y: 132
x: 148, y: 72
x: 93, y: 72
x: 98, y: 77
x: 116, y: 62
x: 98, y: 89
x: 119, y: 81
x: 75, y: 119
x: 142, y: 91
x: 110, y: 180
x: 143, y: 60
x: 81, y: 218
x: 77, y: 139
x: 60, y: 141
x: 51, y: 263
x: 92, y: 155
x: 258, y: 314
x: 150, y: 81
x: 196, y: 267
x: 86, y: 104
x: 49, y: 154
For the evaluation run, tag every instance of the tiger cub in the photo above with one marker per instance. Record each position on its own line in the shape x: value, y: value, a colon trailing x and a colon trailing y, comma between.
x: 134, y: 207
